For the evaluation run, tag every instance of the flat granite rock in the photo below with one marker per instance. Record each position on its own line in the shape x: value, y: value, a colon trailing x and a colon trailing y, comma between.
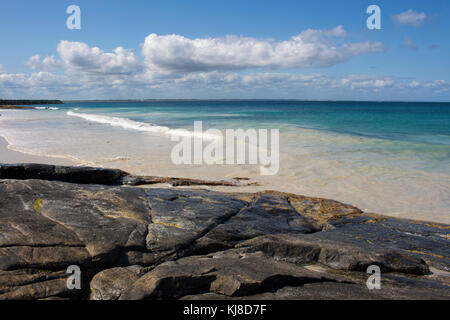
x: 149, y: 243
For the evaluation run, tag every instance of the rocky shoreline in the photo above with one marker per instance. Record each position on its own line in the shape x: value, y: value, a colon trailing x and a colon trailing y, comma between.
x: 168, y: 243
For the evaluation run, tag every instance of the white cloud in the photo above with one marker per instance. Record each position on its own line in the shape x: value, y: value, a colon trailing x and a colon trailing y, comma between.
x: 439, y: 86
x: 369, y: 82
x: 287, y: 80
x: 2, y: 69
x: 436, y: 83
x: 311, y: 48
x: 410, y: 17
x: 79, y: 56
x: 414, y: 84
x: 46, y: 64
x: 177, y: 67
x: 168, y: 54
x: 212, y: 84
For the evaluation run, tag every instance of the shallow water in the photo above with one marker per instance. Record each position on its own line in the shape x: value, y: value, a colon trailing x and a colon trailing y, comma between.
x: 389, y: 158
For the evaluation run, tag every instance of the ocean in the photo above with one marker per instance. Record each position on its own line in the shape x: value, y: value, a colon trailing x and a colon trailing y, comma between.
x: 385, y: 157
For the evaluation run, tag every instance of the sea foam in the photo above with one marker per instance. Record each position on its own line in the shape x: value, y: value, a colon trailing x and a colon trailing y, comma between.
x: 141, y: 126
x: 46, y: 108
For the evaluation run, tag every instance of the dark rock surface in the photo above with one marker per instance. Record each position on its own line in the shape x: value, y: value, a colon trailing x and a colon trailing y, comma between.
x: 89, y: 175
x: 148, y: 243
x: 83, y: 175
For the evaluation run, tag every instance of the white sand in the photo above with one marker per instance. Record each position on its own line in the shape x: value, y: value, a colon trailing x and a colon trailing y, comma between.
x: 11, y: 156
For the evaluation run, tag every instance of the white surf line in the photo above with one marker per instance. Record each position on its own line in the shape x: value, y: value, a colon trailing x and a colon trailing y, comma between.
x: 139, y: 126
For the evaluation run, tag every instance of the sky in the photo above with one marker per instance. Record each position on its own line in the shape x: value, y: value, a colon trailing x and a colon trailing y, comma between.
x: 225, y: 49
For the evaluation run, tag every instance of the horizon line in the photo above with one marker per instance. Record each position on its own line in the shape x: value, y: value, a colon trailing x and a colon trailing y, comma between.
x: 224, y: 99
x: 247, y: 99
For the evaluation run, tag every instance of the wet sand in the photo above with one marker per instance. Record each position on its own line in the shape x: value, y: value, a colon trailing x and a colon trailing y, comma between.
x: 11, y: 156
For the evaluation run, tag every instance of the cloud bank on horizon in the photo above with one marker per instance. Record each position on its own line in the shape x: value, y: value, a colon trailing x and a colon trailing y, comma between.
x: 232, y: 66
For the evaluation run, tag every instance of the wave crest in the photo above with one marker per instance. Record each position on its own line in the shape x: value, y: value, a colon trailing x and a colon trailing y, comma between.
x: 46, y: 108
x: 139, y: 126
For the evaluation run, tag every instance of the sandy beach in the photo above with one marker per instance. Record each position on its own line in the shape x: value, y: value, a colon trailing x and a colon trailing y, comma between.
x: 11, y: 156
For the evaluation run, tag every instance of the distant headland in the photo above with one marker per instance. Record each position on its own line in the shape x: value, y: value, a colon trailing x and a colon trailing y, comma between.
x: 29, y: 102
x: 18, y: 104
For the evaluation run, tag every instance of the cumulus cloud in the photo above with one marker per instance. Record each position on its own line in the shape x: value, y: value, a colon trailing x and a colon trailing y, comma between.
x: 311, y: 48
x: 408, y: 43
x: 79, y: 56
x: 2, y: 69
x: 48, y: 63
x: 410, y: 17
x: 176, y: 66
x: 167, y: 54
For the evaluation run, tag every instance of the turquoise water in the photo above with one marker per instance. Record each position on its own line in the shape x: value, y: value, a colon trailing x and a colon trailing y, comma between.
x: 419, y: 131
x: 401, y: 121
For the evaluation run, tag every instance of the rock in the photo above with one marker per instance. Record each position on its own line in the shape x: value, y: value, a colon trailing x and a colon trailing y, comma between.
x: 178, y: 182
x: 321, y: 211
x: 335, y: 255
x: 85, y: 175
x: 110, y: 284
x: 230, y: 273
x: 266, y: 214
x: 329, y: 291
x: 90, y: 175
x: 428, y: 241
x: 31, y: 284
x: 152, y: 243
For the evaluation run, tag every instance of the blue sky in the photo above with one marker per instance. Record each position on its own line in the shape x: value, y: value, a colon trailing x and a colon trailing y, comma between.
x: 226, y: 49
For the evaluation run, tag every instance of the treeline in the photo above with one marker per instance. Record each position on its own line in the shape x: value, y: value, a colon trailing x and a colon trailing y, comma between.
x: 28, y: 102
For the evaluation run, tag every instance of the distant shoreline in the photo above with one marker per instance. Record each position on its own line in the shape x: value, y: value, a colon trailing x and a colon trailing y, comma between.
x: 12, y: 107
x: 13, y: 102
x: 250, y: 100
x: 20, y: 104
x: 16, y: 104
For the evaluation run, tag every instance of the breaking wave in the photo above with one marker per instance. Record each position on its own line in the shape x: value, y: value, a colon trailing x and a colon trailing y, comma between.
x: 140, y: 126
x: 46, y: 108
